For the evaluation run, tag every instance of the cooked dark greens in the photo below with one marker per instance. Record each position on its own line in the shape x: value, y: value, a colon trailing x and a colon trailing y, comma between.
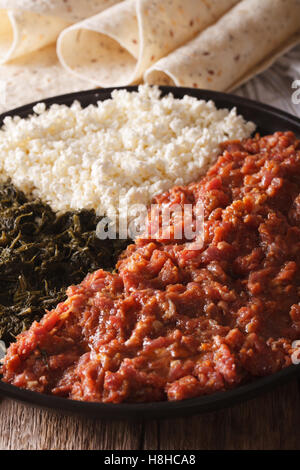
x: 41, y: 254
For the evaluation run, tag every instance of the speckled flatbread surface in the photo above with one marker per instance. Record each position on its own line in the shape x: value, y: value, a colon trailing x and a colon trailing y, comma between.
x: 241, y: 44
x: 28, y: 25
x: 117, y: 46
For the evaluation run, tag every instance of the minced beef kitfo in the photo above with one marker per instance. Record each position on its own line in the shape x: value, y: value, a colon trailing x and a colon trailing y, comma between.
x: 176, y: 323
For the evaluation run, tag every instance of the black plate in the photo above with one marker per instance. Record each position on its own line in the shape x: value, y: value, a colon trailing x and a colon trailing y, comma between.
x: 268, y: 121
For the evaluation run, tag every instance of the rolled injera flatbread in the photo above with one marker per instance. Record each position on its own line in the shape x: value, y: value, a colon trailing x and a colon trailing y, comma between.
x: 28, y: 25
x: 241, y: 44
x: 115, y: 47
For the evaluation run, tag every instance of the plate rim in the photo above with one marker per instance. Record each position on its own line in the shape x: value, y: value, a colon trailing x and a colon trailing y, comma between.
x: 236, y: 100
x: 163, y: 409
x: 154, y: 410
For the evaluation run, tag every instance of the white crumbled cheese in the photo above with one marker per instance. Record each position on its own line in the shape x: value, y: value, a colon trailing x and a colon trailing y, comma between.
x: 130, y: 147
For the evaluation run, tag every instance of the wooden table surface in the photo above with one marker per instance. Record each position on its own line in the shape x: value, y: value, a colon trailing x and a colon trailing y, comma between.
x: 270, y: 421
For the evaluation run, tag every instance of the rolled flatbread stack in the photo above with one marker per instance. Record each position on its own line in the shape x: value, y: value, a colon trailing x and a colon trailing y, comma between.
x: 244, y: 42
x: 212, y: 44
x: 28, y: 25
x: 115, y: 47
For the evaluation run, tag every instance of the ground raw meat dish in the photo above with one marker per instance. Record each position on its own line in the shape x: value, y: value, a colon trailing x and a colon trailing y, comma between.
x: 178, y: 321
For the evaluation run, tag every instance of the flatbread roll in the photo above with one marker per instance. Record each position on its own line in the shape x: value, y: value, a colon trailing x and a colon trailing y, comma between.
x: 115, y: 47
x: 241, y: 44
x: 28, y: 25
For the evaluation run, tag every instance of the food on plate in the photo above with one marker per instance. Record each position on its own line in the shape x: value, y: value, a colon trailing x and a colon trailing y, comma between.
x: 177, y: 322
x: 41, y: 253
x: 126, y: 149
x: 115, y: 47
x: 241, y: 44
